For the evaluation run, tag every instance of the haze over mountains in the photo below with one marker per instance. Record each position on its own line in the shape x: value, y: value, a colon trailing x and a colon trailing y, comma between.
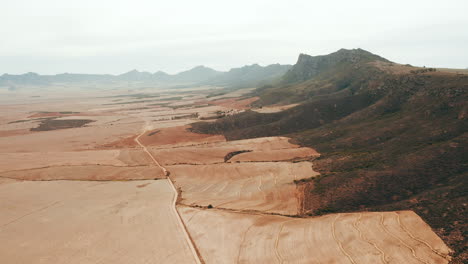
x: 250, y: 75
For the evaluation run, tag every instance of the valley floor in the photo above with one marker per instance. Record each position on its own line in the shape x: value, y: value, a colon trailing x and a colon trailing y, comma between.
x: 136, y: 186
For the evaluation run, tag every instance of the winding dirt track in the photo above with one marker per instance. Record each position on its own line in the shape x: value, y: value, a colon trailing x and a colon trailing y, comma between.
x: 174, y: 201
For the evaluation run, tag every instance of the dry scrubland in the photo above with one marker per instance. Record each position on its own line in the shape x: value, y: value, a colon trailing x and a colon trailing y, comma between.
x: 92, y: 193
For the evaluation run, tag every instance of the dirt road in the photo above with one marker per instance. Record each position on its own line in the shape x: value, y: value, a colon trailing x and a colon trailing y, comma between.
x: 174, y: 201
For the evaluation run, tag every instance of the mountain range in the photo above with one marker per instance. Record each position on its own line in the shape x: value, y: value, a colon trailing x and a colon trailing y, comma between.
x: 252, y: 75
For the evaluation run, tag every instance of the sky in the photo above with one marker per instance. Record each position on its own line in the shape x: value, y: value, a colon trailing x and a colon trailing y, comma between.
x: 115, y: 36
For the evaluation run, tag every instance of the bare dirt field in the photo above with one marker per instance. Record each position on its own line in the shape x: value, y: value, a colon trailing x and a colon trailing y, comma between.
x: 90, y: 222
x: 390, y: 237
x: 86, y: 173
x: 262, y: 186
x: 118, y: 157
x: 176, y: 136
x: 68, y: 139
x: 259, y: 149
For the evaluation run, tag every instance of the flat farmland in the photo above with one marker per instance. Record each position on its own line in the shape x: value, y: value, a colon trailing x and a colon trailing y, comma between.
x: 262, y: 186
x: 29, y: 160
x: 259, y: 149
x: 388, y: 237
x: 90, y: 222
x: 72, y: 139
x: 87, y: 173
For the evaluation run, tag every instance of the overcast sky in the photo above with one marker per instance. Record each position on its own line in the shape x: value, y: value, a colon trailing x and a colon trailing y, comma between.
x: 115, y: 36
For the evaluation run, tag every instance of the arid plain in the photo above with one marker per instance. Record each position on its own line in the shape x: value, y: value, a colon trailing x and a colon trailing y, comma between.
x: 119, y: 178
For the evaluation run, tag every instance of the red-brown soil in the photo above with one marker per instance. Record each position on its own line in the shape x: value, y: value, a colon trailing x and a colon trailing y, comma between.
x: 87, y: 173
x: 15, y: 132
x: 128, y: 142
x: 262, y: 186
x: 179, y: 135
x: 259, y: 149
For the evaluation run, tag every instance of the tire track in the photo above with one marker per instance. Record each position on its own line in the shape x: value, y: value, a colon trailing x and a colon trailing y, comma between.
x: 413, y: 252
x: 418, y: 239
x: 260, y: 188
x: 356, y: 226
x: 28, y: 214
x: 338, y: 241
x: 242, y: 242
x: 277, y: 253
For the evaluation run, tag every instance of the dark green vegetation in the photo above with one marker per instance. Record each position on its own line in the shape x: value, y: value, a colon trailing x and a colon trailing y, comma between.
x: 233, y: 153
x: 53, y: 124
x: 388, y: 141
x: 136, y: 96
x: 189, y: 116
x: 153, y: 133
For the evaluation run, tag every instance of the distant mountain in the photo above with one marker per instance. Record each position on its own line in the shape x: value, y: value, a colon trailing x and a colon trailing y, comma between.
x: 23, y: 79
x: 162, y: 76
x: 250, y: 75
x: 200, y: 75
x: 34, y: 79
x: 135, y: 75
x: 195, y: 75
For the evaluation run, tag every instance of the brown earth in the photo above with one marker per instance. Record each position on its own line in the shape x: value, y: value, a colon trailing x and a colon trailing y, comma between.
x: 176, y: 136
x: 259, y: 186
x: 128, y: 142
x: 88, y: 137
x: 235, y: 103
x: 15, y: 132
x: 389, y: 237
x: 122, y: 157
x: 85, y: 222
x: 261, y: 149
x: 86, y: 173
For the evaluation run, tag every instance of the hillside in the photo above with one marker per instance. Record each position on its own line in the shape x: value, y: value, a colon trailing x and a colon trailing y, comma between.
x: 392, y: 137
